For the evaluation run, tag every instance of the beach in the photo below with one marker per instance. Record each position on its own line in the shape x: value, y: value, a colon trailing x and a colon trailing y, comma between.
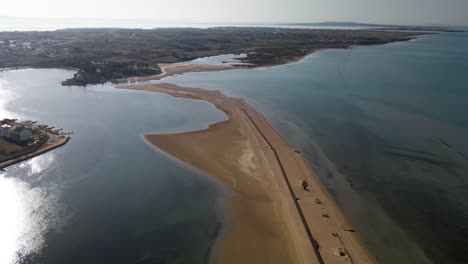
x: 170, y: 69
x: 275, y: 218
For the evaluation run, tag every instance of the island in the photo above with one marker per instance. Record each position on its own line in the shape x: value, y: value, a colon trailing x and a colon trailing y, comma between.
x: 20, y: 141
x: 281, y: 210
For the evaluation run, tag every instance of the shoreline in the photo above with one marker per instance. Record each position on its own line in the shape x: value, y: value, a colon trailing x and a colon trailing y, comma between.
x: 46, y: 147
x: 137, y: 56
x: 225, y: 194
x: 179, y: 68
x: 275, y: 220
x: 171, y: 69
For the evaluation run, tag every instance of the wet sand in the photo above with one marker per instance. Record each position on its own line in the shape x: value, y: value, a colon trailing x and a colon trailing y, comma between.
x: 274, y: 219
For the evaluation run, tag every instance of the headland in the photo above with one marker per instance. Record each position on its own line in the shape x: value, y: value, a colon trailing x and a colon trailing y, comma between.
x: 20, y: 141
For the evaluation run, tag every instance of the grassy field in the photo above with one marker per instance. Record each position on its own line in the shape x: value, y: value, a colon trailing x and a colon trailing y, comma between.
x: 7, y: 148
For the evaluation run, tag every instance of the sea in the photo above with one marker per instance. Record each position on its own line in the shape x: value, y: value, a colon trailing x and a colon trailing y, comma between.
x: 385, y: 127
x: 43, y: 24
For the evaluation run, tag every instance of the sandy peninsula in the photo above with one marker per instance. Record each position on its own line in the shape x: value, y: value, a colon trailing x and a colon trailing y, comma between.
x: 178, y: 68
x: 170, y: 69
x: 275, y: 219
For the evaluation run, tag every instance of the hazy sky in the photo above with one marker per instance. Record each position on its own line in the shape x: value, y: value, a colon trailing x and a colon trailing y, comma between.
x: 248, y: 11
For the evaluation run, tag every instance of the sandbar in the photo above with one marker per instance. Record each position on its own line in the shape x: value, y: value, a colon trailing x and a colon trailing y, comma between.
x: 275, y: 219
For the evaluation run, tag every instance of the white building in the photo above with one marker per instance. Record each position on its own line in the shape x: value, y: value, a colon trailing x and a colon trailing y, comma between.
x: 5, y: 130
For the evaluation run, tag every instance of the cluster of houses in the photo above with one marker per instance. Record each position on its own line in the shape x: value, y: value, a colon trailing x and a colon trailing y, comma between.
x: 13, y: 132
x: 27, y: 47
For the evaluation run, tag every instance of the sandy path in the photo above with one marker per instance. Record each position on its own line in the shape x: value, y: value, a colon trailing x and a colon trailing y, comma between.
x: 276, y: 220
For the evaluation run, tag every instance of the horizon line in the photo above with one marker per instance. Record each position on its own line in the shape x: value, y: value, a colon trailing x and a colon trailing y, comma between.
x: 181, y: 21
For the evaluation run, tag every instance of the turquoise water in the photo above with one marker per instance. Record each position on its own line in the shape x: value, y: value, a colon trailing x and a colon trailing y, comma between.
x: 386, y: 127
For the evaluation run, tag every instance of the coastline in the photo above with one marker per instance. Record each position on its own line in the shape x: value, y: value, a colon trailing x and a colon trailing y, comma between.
x: 275, y: 220
x: 171, y: 69
x: 46, y: 147
x: 225, y: 194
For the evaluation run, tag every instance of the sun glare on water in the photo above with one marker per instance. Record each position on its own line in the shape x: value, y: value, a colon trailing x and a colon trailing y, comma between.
x: 27, y: 212
x: 12, y: 219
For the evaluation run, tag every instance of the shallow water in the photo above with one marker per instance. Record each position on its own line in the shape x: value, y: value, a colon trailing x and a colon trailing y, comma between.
x: 106, y: 196
x: 386, y: 128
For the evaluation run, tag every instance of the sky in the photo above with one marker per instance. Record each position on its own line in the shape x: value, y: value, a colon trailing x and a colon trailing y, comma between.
x: 411, y: 12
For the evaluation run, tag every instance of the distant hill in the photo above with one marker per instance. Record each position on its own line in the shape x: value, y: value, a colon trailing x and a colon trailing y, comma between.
x: 379, y: 26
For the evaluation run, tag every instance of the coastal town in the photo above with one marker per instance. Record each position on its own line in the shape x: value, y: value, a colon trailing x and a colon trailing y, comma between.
x: 23, y: 140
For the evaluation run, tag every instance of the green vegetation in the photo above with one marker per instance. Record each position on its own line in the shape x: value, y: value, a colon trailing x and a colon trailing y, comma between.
x: 103, y: 55
x: 96, y: 73
x: 9, y: 149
